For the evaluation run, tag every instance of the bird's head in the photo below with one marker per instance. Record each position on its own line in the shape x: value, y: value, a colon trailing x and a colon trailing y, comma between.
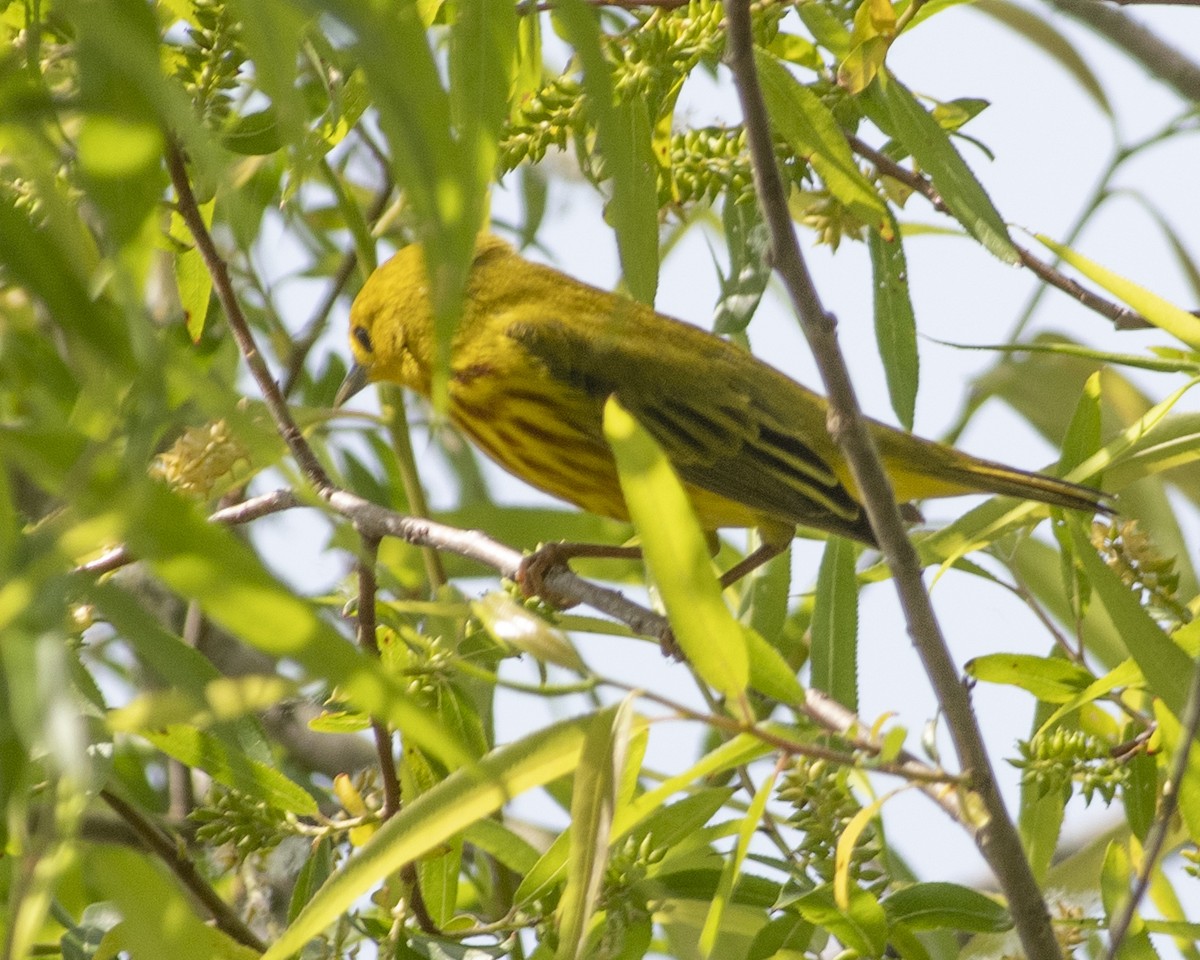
x: 391, y: 321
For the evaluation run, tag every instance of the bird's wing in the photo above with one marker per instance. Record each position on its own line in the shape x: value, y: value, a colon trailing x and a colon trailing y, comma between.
x: 728, y: 423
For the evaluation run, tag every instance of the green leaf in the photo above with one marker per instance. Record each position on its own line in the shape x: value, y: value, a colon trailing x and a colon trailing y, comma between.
x: 1189, y: 785
x: 593, y: 801
x: 271, y: 31
x: 1139, y: 795
x: 1116, y: 879
x: 895, y: 322
x: 1041, y: 813
x: 466, y: 796
x: 191, y: 273
x: 624, y: 142
x: 835, y: 624
x: 749, y: 266
x: 769, y: 671
x: 862, y: 927
x: 1162, y: 313
x: 254, y: 134
x: 1050, y: 679
x: 158, y: 920
x: 196, y: 748
x: 897, y: 113
x: 677, y: 555
x: 483, y: 49
x: 497, y: 841
x: 946, y: 906
x: 511, y: 624
x: 747, y: 829
x: 209, y: 563
x: 1165, y: 666
x: 811, y: 130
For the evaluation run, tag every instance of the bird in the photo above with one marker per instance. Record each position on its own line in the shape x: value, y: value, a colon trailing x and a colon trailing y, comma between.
x: 537, y: 353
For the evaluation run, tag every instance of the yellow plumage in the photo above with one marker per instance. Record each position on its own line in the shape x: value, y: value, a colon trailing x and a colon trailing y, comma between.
x: 537, y: 353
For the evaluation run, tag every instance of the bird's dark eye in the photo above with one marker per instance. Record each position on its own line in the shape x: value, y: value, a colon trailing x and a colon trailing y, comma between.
x: 363, y: 338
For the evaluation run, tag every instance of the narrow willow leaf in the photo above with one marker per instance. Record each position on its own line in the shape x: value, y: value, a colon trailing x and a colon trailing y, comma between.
x: 844, y: 851
x: 677, y: 555
x: 1162, y: 313
x: 861, y: 927
x: 593, y: 801
x: 1139, y: 794
x: 1125, y: 674
x: 191, y: 274
x: 835, y: 624
x: 895, y: 322
x: 201, y: 560
x: 811, y: 130
x: 893, y: 108
x: 272, y: 31
x: 159, y: 920
x: 1165, y: 666
x: 1189, y: 785
x: 196, y: 748
x: 747, y: 829
x: 946, y: 906
x: 624, y: 141
x: 1041, y: 813
x: 466, y: 796
x: 1116, y: 880
x: 1050, y: 679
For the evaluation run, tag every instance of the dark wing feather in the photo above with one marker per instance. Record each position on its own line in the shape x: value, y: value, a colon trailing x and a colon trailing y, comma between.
x: 729, y: 423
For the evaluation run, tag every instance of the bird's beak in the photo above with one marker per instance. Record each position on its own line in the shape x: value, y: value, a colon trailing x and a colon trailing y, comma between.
x: 356, y: 379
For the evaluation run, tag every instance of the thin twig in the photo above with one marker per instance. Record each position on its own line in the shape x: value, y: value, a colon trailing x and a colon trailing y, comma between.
x: 368, y: 642
x: 1122, y: 317
x: 1157, y: 838
x: 171, y: 851
x: 996, y: 837
x: 272, y: 397
x: 367, y: 588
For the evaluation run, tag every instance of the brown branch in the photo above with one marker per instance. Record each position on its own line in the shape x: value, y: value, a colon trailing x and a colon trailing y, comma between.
x: 1122, y: 317
x: 996, y: 836
x: 367, y: 588
x: 170, y: 851
x: 276, y: 404
x: 244, y: 512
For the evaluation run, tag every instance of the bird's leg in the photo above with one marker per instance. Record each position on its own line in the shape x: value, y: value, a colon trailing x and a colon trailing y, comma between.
x: 531, y: 574
x: 767, y: 550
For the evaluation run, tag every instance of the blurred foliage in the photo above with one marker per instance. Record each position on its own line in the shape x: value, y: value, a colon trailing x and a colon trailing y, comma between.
x: 163, y: 723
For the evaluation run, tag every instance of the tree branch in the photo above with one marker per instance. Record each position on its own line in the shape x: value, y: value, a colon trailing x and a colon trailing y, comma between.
x: 170, y: 851
x: 996, y: 837
x: 276, y: 404
x: 1122, y: 317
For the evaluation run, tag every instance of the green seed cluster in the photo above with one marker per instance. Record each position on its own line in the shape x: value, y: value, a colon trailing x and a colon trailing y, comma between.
x: 208, y: 67
x: 246, y: 826
x: 823, y: 805
x: 1066, y: 760
x: 1133, y: 556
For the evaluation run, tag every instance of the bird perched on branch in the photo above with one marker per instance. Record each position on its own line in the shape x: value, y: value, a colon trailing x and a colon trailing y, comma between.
x: 537, y: 353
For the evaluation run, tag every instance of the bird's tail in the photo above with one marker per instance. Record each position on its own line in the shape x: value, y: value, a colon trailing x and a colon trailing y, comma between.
x: 940, y: 471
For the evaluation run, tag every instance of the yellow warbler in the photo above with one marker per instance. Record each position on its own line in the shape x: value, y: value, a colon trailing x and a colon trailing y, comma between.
x: 537, y: 353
